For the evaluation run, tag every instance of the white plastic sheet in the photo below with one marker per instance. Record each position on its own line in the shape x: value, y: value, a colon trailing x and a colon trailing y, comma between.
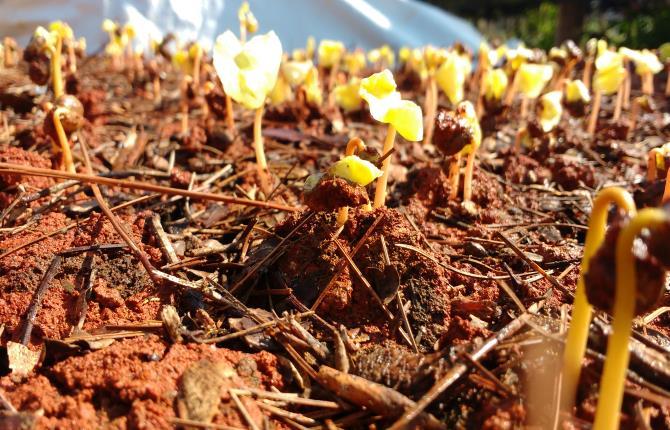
x: 359, y: 23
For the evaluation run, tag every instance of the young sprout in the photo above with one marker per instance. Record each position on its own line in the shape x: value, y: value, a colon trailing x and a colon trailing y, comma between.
x: 347, y: 96
x: 433, y: 58
x: 481, y: 72
x: 550, y: 110
x: 248, y: 22
x: 403, y: 116
x: 188, y: 61
x: 63, y: 118
x: 313, y: 92
x: 382, y: 57
x: 647, y: 65
x: 452, y: 74
x: 607, y: 80
x: 633, y: 295
x: 354, y: 62
x: 576, y: 97
x: 51, y: 43
x: 330, y: 55
x: 248, y: 72
x: 494, y: 84
x: 532, y: 79
x: 575, y: 346
x: 115, y: 46
x: 458, y: 133
x: 566, y: 57
x: 67, y: 35
x: 342, y: 186
x: 658, y: 160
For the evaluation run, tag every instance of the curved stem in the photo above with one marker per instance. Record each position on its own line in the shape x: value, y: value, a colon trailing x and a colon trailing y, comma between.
x: 63, y: 141
x: 56, y: 73
x: 354, y: 146
x: 380, y: 191
x: 575, y: 345
x: 616, y: 360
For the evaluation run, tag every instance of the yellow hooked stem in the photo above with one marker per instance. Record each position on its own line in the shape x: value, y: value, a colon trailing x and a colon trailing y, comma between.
x: 380, y: 191
x: 575, y: 345
x: 354, y: 146
x: 63, y: 141
x: 616, y: 361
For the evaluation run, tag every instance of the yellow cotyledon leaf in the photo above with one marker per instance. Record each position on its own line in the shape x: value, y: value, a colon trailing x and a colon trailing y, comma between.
x: 550, y: 110
x: 355, y: 169
x: 533, y: 78
x: 495, y: 82
x: 330, y: 52
x: 347, y: 96
x: 576, y: 91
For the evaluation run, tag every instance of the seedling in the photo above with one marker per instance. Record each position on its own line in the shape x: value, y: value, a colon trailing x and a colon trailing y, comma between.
x: 248, y: 22
x: 403, y: 116
x: 647, y: 65
x: 50, y: 43
x: 355, y: 170
x: 452, y: 74
x: 625, y: 300
x: 607, y: 80
x: 188, y: 61
x: 382, y: 57
x: 575, y: 345
x: 458, y: 133
x: 347, y: 96
x: 494, y: 85
x: 63, y: 118
x: 532, y: 78
x: 658, y: 167
x: 115, y: 46
x: 354, y: 62
x: 248, y: 72
x: 576, y: 97
x: 330, y: 54
x: 432, y: 60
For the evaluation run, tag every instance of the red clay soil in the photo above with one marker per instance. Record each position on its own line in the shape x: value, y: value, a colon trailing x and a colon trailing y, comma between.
x: 136, y: 383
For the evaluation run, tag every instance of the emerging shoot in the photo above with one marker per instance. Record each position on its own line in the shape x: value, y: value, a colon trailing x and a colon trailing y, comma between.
x: 458, y: 133
x: 575, y: 346
x: 248, y: 72
x: 403, y: 116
